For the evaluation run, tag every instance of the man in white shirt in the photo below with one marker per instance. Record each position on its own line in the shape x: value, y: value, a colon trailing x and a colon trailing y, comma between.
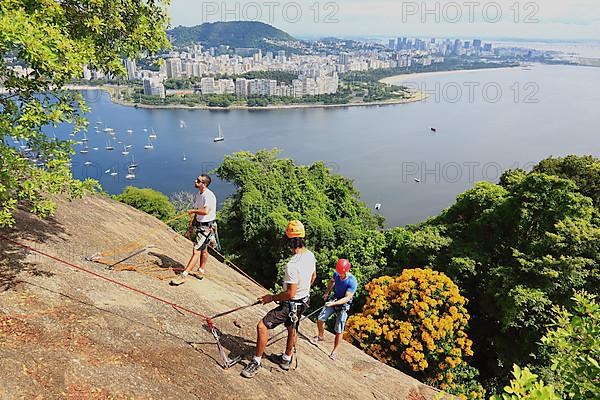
x: 300, y: 273
x: 203, y: 226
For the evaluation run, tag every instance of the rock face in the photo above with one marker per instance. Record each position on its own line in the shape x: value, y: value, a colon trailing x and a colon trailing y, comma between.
x: 65, y: 333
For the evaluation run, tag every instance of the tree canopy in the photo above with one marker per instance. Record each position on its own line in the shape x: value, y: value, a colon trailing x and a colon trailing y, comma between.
x: 43, y: 46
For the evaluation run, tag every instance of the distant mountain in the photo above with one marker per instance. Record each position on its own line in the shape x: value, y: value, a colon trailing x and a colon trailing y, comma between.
x: 236, y: 34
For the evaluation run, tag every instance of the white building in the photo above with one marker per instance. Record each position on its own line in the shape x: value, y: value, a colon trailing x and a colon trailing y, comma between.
x: 154, y: 87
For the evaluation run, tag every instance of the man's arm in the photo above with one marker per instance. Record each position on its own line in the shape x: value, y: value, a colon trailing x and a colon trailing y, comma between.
x: 341, y: 301
x: 328, y: 290
x: 283, y: 296
x: 200, y: 211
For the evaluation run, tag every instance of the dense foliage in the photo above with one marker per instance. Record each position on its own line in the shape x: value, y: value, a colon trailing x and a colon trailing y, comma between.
x: 148, y: 200
x: 526, y: 386
x: 574, y: 346
x: 417, y: 322
x: 515, y: 250
x: 271, y: 191
x: 51, y: 41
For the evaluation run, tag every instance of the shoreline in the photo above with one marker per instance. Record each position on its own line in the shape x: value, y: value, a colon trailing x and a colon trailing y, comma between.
x: 399, y: 79
x: 416, y: 97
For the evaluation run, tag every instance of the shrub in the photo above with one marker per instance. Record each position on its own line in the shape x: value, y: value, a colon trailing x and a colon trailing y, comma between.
x: 416, y: 322
x: 147, y: 200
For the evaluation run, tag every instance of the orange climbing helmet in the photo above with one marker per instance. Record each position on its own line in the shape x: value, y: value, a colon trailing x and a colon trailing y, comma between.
x: 342, y: 266
x: 295, y: 229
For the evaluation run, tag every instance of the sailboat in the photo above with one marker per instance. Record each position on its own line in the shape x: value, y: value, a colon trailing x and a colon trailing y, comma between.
x: 130, y: 174
x: 149, y: 146
x: 87, y: 163
x: 114, y: 172
x: 132, y: 165
x: 130, y: 131
x: 184, y: 157
x: 85, y: 149
x: 85, y: 138
x: 109, y: 145
x: 125, y: 152
x: 219, y: 138
x: 152, y: 135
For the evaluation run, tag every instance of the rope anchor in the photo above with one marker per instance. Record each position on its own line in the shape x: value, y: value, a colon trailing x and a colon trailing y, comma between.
x: 227, y: 362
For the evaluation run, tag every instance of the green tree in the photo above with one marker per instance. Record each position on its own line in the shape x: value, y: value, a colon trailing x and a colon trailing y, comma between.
x: 271, y: 191
x: 148, y: 200
x: 515, y: 249
x: 584, y: 171
x: 43, y: 46
x: 574, y: 345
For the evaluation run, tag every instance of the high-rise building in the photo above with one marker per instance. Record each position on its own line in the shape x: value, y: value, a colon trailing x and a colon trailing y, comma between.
x: 131, y: 69
x: 241, y: 87
x: 392, y: 44
x: 207, y: 85
x: 154, y: 87
x: 477, y: 44
x: 173, y: 67
x: 487, y: 47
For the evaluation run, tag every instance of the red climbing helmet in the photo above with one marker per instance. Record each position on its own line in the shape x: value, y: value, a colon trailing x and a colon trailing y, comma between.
x: 342, y: 266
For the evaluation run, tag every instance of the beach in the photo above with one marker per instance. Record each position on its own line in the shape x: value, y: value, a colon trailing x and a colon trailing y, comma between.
x: 400, y: 79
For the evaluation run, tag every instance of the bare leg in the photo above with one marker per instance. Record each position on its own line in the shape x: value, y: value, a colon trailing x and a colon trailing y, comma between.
x: 193, y: 261
x: 262, y: 337
x: 336, y: 343
x: 291, y: 340
x: 203, y: 259
x: 321, y: 328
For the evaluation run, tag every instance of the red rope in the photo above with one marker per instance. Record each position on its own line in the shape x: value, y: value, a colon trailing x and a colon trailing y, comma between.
x: 206, y: 318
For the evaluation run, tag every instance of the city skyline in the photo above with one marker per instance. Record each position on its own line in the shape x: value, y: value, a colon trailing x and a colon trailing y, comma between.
x: 502, y: 19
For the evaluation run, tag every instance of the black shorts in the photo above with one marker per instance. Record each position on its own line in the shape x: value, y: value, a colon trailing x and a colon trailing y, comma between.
x: 281, y: 315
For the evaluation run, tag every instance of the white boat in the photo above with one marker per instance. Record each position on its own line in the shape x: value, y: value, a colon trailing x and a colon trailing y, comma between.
x: 182, y: 124
x: 95, y: 148
x: 417, y: 180
x: 109, y: 146
x: 87, y: 163
x: 85, y: 138
x: 85, y: 150
x: 149, y: 146
x: 377, y: 206
x: 133, y: 164
x: 130, y: 174
x: 125, y: 152
x: 152, y: 134
x: 184, y: 157
x: 219, y: 138
x: 114, y: 172
x: 130, y: 131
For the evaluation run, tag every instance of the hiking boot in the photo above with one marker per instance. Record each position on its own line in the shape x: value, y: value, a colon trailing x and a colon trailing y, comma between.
x: 283, y: 364
x: 178, y: 280
x: 251, y: 369
x: 333, y: 356
x: 315, y: 340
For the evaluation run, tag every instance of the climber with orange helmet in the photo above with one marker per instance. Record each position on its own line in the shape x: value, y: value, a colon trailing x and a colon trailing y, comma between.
x: 300, y: 273
x: 345, y: 285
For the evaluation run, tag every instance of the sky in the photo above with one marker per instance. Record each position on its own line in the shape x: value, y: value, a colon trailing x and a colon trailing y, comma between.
x: 541, y: 19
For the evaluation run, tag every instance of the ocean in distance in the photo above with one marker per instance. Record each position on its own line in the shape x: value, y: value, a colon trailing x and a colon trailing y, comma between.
x: 485, y: 122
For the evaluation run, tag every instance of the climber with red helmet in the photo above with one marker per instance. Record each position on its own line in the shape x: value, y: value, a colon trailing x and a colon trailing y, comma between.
x: 344, y: 285
x: 300, y: 273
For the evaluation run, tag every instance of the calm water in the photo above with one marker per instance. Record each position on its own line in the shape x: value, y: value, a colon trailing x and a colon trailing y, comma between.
x: 486, y: 122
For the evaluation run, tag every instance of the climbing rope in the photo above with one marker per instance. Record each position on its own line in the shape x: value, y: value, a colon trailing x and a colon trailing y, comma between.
x: 209, y: 320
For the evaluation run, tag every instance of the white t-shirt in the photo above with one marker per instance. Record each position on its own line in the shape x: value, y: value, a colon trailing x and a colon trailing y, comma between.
x: 206, y: 199
x: 299, y: 270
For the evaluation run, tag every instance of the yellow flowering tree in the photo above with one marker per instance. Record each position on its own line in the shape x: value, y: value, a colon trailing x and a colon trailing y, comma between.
x: 416, y: 322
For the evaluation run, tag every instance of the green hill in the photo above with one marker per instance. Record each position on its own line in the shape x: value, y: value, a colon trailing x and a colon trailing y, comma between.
x: 237, y: 34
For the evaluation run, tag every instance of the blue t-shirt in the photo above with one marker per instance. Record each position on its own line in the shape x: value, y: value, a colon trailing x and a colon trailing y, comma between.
x: 350, y: 284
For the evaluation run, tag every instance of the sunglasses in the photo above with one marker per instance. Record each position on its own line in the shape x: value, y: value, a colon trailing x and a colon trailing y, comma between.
x: 199, y: 180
